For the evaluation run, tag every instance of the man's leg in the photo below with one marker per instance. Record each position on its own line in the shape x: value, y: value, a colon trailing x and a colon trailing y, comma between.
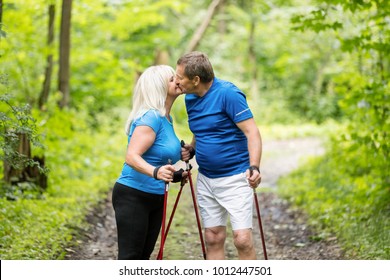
x: 215, y: 242
x: 243, y: 240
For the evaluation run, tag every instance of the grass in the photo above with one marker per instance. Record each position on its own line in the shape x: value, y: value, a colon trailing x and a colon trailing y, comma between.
x: 354, y: 208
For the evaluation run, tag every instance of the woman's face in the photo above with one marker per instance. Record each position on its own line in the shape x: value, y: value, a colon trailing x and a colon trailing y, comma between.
x: 173, y: 89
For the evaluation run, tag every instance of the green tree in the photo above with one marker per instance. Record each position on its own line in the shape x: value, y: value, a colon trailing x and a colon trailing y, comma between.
x: 348, y: 188
x: 364, y: 88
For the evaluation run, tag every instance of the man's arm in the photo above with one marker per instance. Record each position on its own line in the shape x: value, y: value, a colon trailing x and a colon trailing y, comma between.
x: 255, y: 148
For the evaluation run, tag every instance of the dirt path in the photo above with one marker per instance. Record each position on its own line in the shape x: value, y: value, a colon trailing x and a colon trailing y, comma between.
x: 286, y: 234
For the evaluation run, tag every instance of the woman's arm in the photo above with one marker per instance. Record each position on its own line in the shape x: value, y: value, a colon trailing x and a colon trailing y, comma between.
x: 142, y: 139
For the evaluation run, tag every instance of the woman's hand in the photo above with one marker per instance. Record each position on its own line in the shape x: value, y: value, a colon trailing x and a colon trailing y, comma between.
x: 165, y: 173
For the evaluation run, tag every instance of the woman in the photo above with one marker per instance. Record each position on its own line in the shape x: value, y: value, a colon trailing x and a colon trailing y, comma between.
x: 138, y: 194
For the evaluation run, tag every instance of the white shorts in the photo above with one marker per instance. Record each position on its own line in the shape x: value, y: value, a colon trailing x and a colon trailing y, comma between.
x: 222, y: 196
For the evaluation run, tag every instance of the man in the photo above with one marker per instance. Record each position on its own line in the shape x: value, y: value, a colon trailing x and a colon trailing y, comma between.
x: 228, y: 151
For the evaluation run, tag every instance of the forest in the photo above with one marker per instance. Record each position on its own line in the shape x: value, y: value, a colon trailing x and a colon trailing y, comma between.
x: 318, y: 68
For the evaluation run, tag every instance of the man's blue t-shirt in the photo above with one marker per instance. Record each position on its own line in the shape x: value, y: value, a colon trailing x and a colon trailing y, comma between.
x: 221, y: 147
x: 165, y: 147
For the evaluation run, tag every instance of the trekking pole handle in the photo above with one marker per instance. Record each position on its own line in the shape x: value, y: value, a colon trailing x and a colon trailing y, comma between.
x: 253, y: 167
x: 192, y: 151
x: 182, y: 144
x: 167, y: 183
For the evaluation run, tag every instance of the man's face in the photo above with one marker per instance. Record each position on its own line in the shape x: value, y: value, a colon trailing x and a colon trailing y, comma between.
x: 182, y: 81
x: 173, y: 89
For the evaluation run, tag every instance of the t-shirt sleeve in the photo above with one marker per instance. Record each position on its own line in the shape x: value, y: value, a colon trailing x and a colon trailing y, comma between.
x: 151, y: 118
x: 236, y: 105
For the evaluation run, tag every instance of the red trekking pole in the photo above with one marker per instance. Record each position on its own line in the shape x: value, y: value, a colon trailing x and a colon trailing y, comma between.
x: 160, y: 252
x: 259, y: 219
x: 188, y: 169
x: 260, y: 225
x: 196, y: 212
x: 164, y: 232
x: 163, y: 237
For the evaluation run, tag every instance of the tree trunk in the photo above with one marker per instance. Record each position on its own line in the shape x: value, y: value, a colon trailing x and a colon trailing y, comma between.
x: 14, y: 175
x: 64, y: 67
x: 49, y: 61
x: 195, y: 40
x: 2, y: 33
x: 253, y: 59
x: 161, y: 57
x: 221, y: 26
x: 1, y: 13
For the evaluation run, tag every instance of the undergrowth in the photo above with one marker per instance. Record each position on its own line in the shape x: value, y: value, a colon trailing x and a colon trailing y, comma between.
x: 84, y: 162
x: 347, y: 195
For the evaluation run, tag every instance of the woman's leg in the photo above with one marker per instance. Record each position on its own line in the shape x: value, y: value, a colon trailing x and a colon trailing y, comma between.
x: 155, y: 219
x: 131, y: 220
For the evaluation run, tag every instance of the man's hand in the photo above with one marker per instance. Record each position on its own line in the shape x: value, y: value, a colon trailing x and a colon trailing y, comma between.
x: 254, y: 177
x: 187, y: 152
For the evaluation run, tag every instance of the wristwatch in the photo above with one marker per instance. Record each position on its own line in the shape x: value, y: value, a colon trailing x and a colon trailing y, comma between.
x: 253, y: 167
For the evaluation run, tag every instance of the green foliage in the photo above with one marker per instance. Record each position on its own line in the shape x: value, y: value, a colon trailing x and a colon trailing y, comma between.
x: 85, y: 163
x: 22, y: 51
x: 344, y: 195
x: 347, y: 191
x: 16, y: 120
x: 38, y: 229
x: 299, y: 130
x: 316, y: 20
x: 296, y: 76
x: 116, y: 42
x: 311, y: 61
x: 17, y: 123
x: 369, y: 106
x: 111, y: 44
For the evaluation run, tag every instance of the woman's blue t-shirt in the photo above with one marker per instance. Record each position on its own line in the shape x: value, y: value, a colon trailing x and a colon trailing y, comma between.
x: 221, y: 147
x: 165, y: 147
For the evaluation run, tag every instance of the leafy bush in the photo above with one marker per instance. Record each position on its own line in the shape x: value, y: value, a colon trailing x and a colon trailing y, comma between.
x: 17, y: 133
x: 345, y: 194
x: 347, y: 190
x: 85, y: 162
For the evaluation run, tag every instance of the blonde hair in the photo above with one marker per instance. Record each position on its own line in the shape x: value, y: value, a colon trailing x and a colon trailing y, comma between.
x: 150, y: 92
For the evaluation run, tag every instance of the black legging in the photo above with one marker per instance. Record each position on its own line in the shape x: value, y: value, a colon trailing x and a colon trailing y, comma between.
x: 138, y: 219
